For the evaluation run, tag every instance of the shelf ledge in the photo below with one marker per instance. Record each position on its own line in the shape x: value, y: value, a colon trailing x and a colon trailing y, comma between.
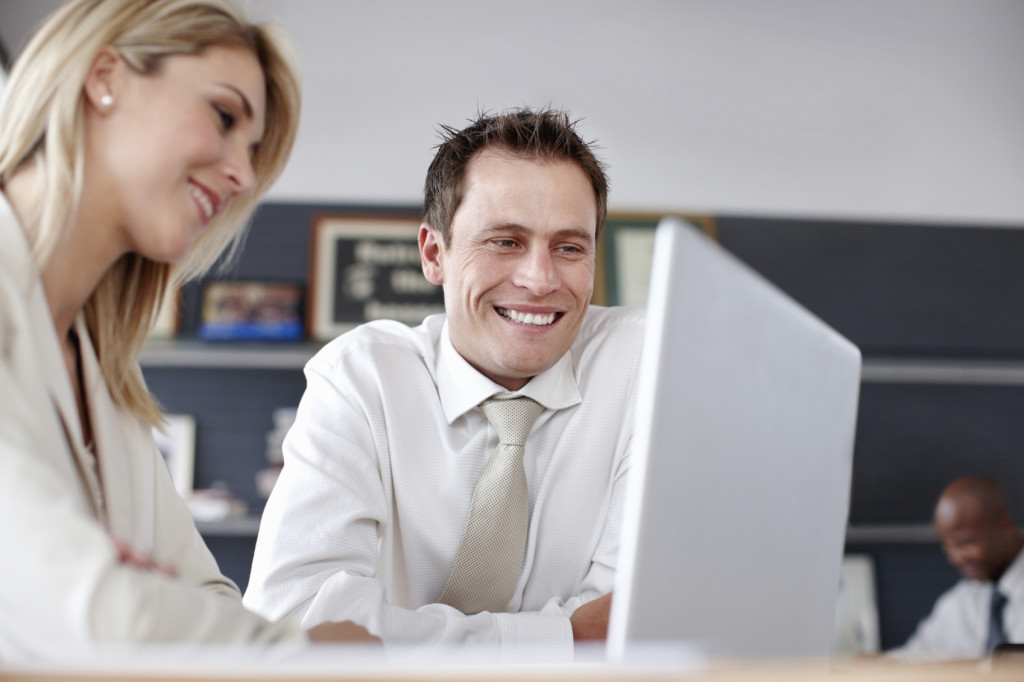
x: 908, y: 371
x: 227, y: 355
x: 249, y: 526
x: 193, y: 353
x: 245, y: 526
x: 892, y: 534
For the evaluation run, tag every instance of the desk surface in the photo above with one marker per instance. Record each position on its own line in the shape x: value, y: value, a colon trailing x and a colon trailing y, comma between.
x: 738, y: 672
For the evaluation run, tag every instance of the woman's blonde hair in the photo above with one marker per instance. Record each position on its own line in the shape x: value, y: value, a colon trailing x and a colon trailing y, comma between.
x: 41, y: 121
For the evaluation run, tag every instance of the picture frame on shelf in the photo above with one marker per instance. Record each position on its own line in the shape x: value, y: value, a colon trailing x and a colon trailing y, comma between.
x: 627, y: 245
x: 251, y: 310
x: 176, y: 441
x: 367, y: 267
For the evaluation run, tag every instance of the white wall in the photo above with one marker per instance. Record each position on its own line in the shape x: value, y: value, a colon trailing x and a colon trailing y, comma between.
x: 908, y: 109
x: 866, y: 108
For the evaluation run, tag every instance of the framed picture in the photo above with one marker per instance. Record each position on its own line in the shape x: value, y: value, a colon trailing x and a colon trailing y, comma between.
x: 367, y: 268
x: 251, y: 311
x: 627, y: 245
x: 177, y: 442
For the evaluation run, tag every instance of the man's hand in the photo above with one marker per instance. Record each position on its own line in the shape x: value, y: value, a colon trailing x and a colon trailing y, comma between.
x: 345, y: 631
x: 590, y: 621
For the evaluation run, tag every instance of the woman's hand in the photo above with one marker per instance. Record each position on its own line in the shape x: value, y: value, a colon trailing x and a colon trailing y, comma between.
x: 345, y: 631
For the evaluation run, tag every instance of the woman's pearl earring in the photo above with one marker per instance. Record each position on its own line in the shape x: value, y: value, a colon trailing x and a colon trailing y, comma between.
x: 106, y: 101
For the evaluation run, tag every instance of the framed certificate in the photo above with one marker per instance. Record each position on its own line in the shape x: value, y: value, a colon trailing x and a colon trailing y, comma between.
x: 367, y: 268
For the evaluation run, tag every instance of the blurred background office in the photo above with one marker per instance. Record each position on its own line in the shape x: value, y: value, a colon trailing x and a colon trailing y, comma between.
x: 867, y: 156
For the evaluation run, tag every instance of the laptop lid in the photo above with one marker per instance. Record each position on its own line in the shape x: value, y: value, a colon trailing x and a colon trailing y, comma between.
x: 736, y: 507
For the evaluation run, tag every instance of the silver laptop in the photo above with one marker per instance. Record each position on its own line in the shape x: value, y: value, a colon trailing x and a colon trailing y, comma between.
x: 736, y: 506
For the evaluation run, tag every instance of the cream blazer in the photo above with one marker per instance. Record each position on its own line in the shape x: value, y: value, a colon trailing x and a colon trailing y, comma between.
x: 62, y: 587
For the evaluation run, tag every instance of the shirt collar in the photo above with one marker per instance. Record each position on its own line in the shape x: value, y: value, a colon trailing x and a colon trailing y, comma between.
x: 1011, y: 583
x: 461, y: 387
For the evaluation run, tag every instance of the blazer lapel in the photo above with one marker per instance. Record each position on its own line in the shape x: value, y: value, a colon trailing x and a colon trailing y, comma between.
x: 58, y: 385
x: 54, y: 369
x: 115, y: 451
x: 42, y: 359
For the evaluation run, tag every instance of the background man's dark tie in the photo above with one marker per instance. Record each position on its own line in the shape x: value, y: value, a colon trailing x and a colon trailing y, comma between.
x: 996, y: 633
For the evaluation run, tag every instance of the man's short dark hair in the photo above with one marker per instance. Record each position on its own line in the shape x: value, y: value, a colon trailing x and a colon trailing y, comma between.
x: 543, y: 135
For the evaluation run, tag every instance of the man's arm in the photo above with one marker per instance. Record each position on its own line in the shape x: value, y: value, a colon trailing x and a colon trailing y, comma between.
x: 590, y: 621
x: 590, y: 608
x: 951, y: 631
x: 318, y: 548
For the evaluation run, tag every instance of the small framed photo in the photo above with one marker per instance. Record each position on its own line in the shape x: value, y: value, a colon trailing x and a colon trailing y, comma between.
x: 628, y: 245
x: 367, y: 268
x: 251, y: 311
x: 176, y: 441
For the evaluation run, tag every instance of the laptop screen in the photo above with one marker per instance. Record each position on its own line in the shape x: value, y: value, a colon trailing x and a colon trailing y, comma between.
x: 737, y: 502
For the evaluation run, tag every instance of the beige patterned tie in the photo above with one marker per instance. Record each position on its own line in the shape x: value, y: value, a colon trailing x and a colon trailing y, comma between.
x: 490, y: 558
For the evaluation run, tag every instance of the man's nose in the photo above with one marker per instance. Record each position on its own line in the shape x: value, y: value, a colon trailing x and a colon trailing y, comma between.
x: 537, y: 272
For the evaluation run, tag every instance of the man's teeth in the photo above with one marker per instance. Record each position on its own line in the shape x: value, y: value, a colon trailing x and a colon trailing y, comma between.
x: 527, y: 318
x: 203, y: 200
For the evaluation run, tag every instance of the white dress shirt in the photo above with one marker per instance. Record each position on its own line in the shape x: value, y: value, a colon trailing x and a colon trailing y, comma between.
x: 958, y: 624
x: 380, y: 466
x: 63, y: 588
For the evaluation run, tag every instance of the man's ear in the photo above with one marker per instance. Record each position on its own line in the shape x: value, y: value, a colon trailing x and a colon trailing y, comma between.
x: 101, y: 81
x: 431, y: 254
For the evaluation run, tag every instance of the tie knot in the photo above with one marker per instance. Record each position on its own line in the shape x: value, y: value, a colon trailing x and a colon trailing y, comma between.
x: 512, y: 419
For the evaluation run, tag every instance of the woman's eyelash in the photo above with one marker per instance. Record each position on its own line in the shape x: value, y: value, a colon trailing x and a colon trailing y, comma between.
x: 227, y: 120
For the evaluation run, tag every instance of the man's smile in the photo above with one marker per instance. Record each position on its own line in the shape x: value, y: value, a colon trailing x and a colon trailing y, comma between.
x: 535, y: 319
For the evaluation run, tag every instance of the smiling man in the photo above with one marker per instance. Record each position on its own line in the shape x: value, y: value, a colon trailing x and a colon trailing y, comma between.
x: 407, y: 503
x: 986, y: 608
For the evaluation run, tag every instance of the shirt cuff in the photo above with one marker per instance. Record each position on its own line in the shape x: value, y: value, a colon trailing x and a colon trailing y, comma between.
x: 535, y: 636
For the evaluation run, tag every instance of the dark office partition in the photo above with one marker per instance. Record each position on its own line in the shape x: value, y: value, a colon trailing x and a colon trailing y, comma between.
x: 945, y: 294
x: 897, y: 289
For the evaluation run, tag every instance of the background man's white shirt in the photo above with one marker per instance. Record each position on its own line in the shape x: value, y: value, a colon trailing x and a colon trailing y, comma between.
x: 957, y: 626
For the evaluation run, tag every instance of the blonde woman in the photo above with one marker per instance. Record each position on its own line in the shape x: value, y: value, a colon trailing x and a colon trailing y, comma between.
x: 135, y: 139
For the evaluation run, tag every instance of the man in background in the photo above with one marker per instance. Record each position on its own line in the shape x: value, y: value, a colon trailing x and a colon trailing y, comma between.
x: 406, y: 502
x: 986, y: 607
